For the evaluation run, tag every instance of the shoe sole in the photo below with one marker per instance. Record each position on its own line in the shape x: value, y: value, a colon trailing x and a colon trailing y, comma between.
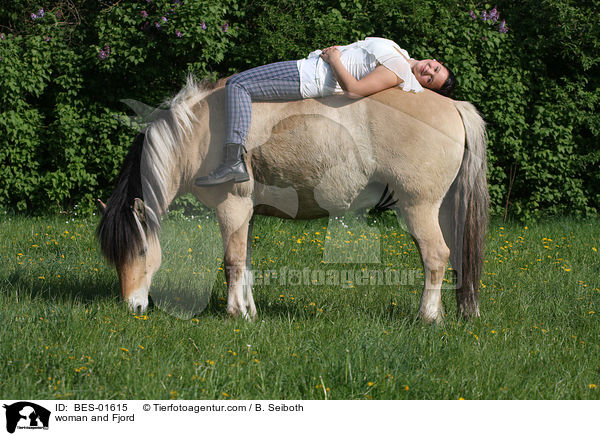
x: 236, y: 179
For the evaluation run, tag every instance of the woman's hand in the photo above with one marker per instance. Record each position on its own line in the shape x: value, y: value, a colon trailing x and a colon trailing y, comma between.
x: 331, y: 54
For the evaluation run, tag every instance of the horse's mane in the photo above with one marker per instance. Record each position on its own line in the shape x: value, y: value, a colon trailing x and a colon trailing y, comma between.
x: 146, y: 172
x: 117, y: 231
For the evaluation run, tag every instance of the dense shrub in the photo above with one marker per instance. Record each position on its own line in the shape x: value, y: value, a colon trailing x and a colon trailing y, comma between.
x: 65, y: 66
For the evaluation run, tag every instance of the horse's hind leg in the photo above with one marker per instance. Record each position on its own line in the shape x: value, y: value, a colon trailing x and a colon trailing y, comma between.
x: 423, y: 224
x: 234, y: 216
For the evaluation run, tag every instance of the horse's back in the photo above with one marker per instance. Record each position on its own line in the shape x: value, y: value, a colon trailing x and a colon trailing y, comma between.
x: 426, y: 108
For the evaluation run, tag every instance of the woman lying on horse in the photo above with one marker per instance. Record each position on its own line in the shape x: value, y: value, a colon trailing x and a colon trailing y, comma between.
x: 308, y: 159
x: 357, y: 70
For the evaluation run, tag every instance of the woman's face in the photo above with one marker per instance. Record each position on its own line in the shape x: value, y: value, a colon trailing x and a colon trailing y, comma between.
x: 430, y: 73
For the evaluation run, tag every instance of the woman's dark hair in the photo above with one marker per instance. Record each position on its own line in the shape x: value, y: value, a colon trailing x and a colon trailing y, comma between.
x: 448, y: 87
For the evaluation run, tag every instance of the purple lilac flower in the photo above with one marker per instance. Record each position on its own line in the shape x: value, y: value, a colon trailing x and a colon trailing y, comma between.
x: 39, y: 15
x: 157, y: 24
x: 178, y: 34
x: 177, y: 2
x: 2, y: 36
x: 502, y: 27
x: 473, y: 15
x: 144, y: 14
x: 105, y: 53
x: 47, y: 39
x: 164, y: 19
x: 484, y: 15
x: 225, y: 26
x: 203, y: 25
x: 494, y: 15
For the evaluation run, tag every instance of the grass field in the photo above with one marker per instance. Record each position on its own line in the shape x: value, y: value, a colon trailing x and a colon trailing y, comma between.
x: 325, y: 333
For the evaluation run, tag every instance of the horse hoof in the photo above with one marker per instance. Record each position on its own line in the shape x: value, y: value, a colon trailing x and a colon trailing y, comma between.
x: 432, y: 318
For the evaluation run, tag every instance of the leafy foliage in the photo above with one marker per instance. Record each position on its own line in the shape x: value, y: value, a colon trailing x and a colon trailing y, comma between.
x: 65, y: 66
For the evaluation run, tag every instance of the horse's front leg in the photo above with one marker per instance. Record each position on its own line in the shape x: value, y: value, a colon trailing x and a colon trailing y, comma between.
x: 234, y: 215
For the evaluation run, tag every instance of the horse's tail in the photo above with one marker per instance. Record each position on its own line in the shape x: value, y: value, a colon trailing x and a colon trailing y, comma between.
x: 469, y: 199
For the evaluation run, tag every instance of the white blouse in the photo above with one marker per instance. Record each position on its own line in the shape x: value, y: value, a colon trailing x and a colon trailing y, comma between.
x: 360, y: 58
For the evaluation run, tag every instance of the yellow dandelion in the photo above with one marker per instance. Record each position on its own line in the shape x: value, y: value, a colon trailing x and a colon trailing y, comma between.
x: 370, y: 384
x: 225, y: 394
x: 125, y: 350
x: 592, y: 386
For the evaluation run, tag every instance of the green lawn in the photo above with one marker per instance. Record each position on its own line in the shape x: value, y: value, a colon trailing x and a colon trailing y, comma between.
x: 323, y: 330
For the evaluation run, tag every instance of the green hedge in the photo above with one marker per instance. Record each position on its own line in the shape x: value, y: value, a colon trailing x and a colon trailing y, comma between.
x: 65, y: 66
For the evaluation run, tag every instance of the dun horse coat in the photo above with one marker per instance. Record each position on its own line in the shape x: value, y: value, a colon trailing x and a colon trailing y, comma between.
x: 308, y: 159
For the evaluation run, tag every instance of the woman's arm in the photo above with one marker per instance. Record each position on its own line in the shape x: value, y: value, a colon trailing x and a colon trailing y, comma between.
x: 377, y: 80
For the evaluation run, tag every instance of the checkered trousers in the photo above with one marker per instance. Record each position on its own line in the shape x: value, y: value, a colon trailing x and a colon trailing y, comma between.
x: 278, y: 81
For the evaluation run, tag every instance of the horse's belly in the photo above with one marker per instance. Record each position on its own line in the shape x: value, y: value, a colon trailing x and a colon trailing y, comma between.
x: 316, y: 159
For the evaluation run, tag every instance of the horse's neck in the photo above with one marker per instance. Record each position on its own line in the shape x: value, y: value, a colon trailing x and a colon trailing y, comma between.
x: 180, y: 145
x: 208, y: 127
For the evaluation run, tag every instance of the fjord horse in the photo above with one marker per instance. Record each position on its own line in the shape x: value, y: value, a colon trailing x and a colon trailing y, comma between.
x: 307, y: 159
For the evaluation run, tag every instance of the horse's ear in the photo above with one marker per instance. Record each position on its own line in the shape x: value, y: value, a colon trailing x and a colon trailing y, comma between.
x: 139, y: 208
x: 101, y: 206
